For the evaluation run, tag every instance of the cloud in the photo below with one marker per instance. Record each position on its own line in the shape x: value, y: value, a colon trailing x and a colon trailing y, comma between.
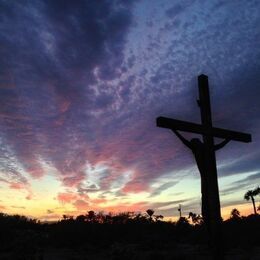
x: 81, y: 205
x: 241, y: 185
x: 228, y: 203
x: 66, y: 197
x: 167, y: 204
x: 233, y: 189
x: 175, y: 10
x: 18, y: 207
x: 50, y: 217
x: 162, y: 188
x: 66, y: 50
x: 249, y: 179
x: 11, y: 173
x: 82, y: 83
x: 85, y: 189
x: 2, y: 207
x: 79, y: 201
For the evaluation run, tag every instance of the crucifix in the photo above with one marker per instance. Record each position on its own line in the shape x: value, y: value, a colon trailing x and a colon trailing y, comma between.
x: 204, y: 153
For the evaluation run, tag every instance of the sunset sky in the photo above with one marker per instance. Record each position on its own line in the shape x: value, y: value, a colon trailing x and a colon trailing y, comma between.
x: 82, y: 82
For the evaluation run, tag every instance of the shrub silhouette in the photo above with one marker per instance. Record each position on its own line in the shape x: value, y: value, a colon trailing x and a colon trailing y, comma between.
x: 150, y: 213
x: 235, y: 214
x: 195, y: 218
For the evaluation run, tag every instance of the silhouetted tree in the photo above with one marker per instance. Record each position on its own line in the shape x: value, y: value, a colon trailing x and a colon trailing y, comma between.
x: 158, y: 217
x: 91, y: 216
x: 140, y: 218
x: 108, y: 218
x: 182, y: 221
x: 195, y: 218
x: 235, y: 214
x: 81, y: 218
x: 251, y: 194
x: 150, y: 213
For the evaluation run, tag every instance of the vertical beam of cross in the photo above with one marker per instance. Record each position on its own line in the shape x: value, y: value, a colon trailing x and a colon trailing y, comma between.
x: 212, y: 197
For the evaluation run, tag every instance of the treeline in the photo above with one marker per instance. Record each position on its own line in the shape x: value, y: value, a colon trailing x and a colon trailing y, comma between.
x: 119, y: 218
x: 104, y: 232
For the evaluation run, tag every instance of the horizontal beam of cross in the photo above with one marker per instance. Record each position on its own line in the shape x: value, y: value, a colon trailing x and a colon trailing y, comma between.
x: 199, y: 129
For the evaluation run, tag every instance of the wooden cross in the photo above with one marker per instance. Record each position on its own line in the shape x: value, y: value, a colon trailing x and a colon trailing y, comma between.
x: 204, y: 153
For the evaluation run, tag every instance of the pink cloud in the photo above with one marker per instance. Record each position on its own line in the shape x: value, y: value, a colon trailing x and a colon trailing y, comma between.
x: 98, y: 201
x: 20, y: 183
x: 22, y: 186
x: 136, y: 186
x: 16, y: 186
x: 35, y: 171
x: 29, y: 196
x: 135, y: 207
x: 2, y: 207
x: 81, y: 205
x: 78, y: 200
x: 66, y: 197
x: 74, y: 180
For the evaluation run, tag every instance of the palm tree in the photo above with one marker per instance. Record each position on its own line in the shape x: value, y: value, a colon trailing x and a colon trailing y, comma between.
x: 251, y: 194
x: 195, y: 218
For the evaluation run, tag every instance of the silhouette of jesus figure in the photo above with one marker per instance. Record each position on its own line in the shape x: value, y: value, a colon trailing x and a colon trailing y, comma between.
x: 198, y: 149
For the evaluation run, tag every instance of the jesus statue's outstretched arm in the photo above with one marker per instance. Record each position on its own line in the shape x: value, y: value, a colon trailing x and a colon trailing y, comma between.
x: 185, y: 141
x: 220, y: 145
